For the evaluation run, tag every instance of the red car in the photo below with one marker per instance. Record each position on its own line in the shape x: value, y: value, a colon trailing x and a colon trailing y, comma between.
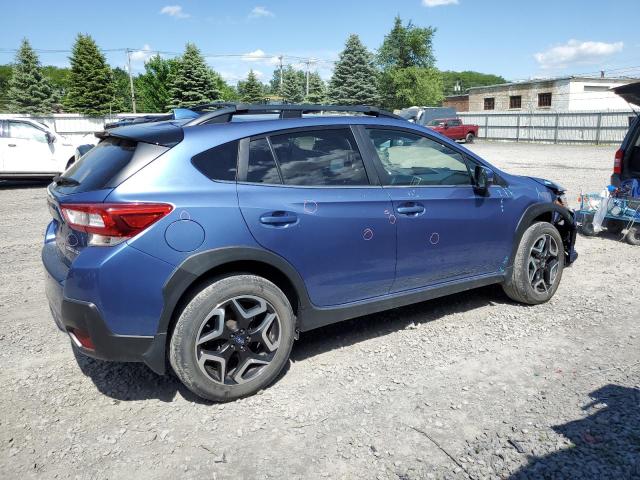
x: 454, y: 129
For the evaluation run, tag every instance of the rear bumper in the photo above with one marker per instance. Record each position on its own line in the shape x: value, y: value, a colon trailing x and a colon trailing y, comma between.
x: 72, y: 315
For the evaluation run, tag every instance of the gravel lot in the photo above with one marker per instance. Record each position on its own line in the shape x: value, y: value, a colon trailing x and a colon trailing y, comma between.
x: 471, y: 385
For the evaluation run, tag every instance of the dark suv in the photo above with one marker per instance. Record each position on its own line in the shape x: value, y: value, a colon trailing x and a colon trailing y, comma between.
x: 208, y: 244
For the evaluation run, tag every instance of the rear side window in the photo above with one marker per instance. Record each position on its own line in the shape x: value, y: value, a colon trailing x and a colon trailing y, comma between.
x: 262, y: 166
x: 218, y: 163
x: 100, y: 165
x: 319, y: 157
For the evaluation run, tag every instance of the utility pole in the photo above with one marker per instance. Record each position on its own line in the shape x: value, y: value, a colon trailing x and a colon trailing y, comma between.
x: 280, y: 59
x: 308, y: 62
x: 133, y: 94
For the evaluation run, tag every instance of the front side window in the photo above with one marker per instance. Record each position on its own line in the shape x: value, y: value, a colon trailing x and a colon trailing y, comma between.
x: 410, y: 159
x: 319, y: 158
x: 24, y: 131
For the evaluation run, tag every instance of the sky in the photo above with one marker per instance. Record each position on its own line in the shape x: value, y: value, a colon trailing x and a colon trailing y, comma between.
x: 517, y: 40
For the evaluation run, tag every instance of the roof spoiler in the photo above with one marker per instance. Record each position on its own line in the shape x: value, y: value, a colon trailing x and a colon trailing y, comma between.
x: 166, y: 134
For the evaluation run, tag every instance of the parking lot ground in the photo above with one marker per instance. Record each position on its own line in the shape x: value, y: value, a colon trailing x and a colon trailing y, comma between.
x: 467, y: 386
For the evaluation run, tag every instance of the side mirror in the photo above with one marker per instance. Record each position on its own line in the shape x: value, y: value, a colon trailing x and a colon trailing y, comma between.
x: 484, y: 179
x: 446, y: 125
x: 50, y: 137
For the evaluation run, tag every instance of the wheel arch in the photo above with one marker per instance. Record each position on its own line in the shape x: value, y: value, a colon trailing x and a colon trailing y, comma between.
x: 556, y: 215
x: 201, y: 268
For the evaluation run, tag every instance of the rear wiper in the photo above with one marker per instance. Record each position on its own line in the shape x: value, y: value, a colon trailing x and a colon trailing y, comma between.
x: 65, y: 181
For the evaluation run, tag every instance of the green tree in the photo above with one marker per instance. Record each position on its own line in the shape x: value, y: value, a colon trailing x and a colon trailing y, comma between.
x: 5, y: 75
x: 29, y: 90
x: 354, y: 79
x: 467, y: 79
x: 121, y: 91
x: 153, y: 86
x: 407, y: 46
x: 59, y: 80
x: 91, y: 88
x: 408, y: 76
x: 192, y: 82
x: 251, y: 90
x: 317, y: 89
x: 293, y: 88
x: 404, y: 87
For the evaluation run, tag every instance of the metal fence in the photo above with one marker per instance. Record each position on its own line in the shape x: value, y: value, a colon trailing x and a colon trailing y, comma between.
x: 607, y: 127
x: 604, y: 127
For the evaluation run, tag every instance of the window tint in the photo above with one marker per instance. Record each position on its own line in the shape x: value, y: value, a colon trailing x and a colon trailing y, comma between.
x: 319, y: 157
x: 218, y: 163
x: 100, y: 165
x: 25, y: 131
x: 409, y: 159
x: 262, y: 167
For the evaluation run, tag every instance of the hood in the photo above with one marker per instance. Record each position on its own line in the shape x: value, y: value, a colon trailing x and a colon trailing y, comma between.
x: 554, y: 187
x: 630, y: 92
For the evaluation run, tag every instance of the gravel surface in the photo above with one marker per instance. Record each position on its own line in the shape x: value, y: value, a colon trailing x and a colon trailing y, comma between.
x: 468, y: 386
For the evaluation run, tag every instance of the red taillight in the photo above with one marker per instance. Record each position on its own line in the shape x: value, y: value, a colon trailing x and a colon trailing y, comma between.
x: 122, y: 220
x: 617, y: 161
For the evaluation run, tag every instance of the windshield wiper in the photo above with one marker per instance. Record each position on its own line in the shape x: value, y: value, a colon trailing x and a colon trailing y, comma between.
x: 65, y: 181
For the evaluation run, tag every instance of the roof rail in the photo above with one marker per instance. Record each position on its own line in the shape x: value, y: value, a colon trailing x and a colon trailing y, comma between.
x: 226, y: 111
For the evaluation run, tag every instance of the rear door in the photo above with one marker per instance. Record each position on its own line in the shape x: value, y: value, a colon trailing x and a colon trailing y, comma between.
x: 445, y: 230
x: 455, y: 129
x: 307, y: 196
x: 28, y: 149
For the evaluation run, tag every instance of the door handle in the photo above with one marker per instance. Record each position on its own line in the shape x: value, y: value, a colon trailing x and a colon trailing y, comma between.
x: 278, y: 218
x: 411, y: 209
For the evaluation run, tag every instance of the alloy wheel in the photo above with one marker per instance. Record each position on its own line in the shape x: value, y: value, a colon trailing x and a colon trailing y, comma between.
x: 237, y: 340
x: 543, y: 263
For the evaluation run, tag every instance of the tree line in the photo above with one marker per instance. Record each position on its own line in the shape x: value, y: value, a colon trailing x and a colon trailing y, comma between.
x: 401, y: 73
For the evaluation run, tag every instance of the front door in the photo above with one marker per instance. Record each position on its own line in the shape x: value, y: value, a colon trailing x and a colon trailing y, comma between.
x: 27, y: 149
x: 445, y: 230
x: 306, y: 196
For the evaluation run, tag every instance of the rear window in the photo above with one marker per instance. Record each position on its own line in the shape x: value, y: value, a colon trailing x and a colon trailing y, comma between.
x: 218, y: 163
x: 100, y: 165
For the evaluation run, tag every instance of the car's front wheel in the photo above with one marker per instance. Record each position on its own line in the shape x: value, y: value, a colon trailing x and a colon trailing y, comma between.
x: 538, y: 265
x: 232, y: 338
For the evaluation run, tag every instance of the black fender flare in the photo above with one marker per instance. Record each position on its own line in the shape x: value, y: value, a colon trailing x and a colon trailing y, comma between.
x: 192, y: 269
x: 197, y: 265
x: 558, y: 213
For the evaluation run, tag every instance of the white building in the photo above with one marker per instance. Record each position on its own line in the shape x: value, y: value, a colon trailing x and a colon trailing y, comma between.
x: 558, y: 94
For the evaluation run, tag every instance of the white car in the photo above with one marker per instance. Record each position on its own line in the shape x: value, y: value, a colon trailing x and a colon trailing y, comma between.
x: 30, y: 149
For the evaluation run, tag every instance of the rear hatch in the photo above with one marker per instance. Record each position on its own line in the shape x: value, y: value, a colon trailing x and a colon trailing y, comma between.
x: 627, y: 158
x: 120, y: 154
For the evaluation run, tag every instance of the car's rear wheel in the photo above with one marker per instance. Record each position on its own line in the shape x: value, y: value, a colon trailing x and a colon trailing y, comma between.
x: 469, y: 138
x: 232, y: 338
x: 615, y: 227
x: 587, y: 229
x: 538, y: 265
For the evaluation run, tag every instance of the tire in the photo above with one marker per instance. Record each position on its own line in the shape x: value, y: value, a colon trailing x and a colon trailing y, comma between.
x: 587, y: 229
x: 233, y: 338
x: 633, y: 236
x: 615, y: 227
x: 523, y: 284
x: 469, y: 138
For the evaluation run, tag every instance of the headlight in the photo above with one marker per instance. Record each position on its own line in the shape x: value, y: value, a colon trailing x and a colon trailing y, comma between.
x: 562, y: 200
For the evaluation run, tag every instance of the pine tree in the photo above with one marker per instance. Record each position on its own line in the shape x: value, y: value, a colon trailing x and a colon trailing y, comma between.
x: 292, y: 90
x: 91, y: 87
x: 29, y: 90
x: 122, y: 91
x: 317, y: 89
x: 193, y: 82
x: 251, y: 90
x: 354, y: 76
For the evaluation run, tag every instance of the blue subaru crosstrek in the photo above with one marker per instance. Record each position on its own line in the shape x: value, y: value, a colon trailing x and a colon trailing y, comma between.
x: 206, y: 245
